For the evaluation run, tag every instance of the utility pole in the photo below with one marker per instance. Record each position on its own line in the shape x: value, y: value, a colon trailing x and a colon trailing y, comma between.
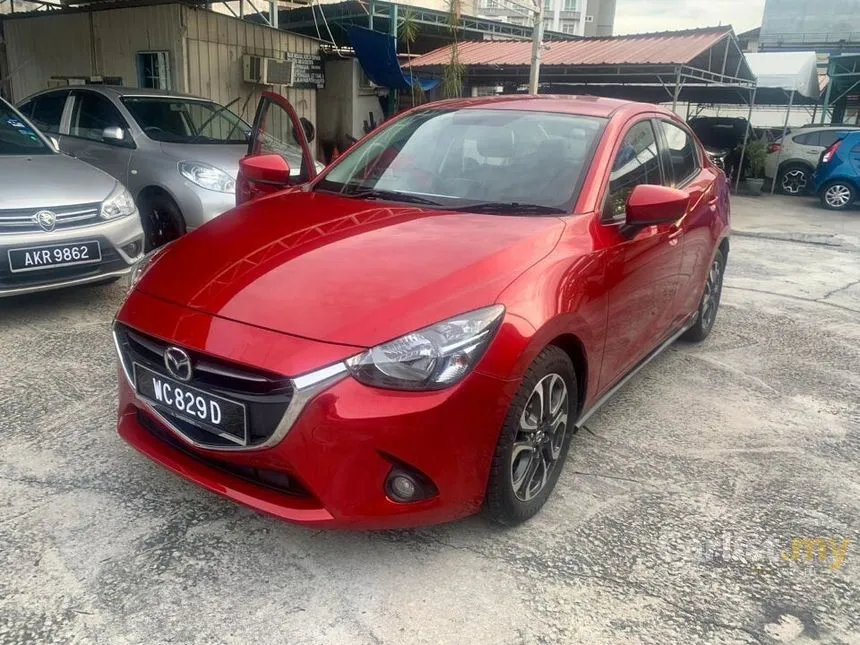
x: 537, y: 42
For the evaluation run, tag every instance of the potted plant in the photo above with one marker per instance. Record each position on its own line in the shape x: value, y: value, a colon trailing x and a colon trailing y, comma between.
x: 755, y: 154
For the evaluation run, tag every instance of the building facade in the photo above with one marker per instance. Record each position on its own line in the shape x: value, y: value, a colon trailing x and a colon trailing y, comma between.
x: 575, y: 17
x: 804, y: 25
x: 166, y: 46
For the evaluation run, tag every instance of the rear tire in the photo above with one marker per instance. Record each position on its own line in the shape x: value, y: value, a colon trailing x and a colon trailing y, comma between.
x: 794, y: 179
x: 534, y: 439
x: 710, y: 303
x: 161, y: 219
x: 838, y: 195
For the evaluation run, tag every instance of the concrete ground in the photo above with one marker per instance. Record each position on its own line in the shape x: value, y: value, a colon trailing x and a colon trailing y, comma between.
x: 678, y: 519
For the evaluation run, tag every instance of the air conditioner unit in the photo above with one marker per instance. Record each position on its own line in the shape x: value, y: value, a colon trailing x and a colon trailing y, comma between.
x: 267, y: 71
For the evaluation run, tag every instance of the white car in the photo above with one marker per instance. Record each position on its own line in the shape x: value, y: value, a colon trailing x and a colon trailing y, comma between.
x: 798, y: 156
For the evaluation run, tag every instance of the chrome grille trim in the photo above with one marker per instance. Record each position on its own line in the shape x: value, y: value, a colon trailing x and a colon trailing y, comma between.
x: 22, y: 219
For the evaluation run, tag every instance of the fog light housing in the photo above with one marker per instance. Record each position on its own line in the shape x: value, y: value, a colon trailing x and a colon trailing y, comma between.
x: 404, y: 485
x: 402, y: 488
x: 133, y: 249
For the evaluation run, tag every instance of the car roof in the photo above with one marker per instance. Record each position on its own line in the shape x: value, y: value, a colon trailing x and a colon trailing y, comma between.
x: 120, y: 92
x: 567, y: 104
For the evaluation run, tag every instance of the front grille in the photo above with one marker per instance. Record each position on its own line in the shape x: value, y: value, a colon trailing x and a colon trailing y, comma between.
x: 111, y: 262
x: 265, y: 395
x: 23, y: 220
x: 274, y: 479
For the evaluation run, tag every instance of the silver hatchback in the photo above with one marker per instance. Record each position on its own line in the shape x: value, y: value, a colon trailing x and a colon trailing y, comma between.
x: 62, y: 222
x: 177, y: 154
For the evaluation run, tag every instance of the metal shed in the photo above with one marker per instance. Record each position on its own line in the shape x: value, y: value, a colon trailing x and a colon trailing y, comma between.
x: 667, y: 62
x: 202, y: 51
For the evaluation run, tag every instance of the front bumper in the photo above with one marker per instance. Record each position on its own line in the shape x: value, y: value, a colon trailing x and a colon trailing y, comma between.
x: 338, y: 452
x: 121, y: 243
x: 199, y: 205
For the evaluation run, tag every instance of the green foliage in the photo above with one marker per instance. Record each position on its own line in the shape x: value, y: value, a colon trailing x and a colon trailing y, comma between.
x: 756, y: 153
x: 454, y: 72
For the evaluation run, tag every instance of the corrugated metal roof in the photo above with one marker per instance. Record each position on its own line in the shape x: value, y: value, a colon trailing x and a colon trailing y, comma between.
x: 668, y: 48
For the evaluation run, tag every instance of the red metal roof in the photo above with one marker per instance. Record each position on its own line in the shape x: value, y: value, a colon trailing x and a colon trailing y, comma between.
x: 667, y: 48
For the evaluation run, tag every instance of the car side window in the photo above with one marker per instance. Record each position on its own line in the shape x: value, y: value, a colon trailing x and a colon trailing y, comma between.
x: 681, y: 152
x: 810, y: 139
x: 92, y: 114
x: 46, y: 111
x: 829, y: 137
x: 636, y: 162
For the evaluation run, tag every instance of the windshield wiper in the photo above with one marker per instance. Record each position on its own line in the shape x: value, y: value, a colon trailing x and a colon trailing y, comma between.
x: 215, y: 113
x: 389, y: 195
x: 510, y: 208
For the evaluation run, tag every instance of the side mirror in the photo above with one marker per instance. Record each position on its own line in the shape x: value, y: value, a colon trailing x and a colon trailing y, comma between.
x: 649, y: 204
x: 261, y: 175
x: 113, y: 134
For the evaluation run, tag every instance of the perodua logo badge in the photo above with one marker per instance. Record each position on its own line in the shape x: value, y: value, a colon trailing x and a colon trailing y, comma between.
x: 178, y: 363
x: 46, y: 220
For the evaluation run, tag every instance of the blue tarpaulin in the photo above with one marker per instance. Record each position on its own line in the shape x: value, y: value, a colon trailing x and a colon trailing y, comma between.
x: 378, y: 57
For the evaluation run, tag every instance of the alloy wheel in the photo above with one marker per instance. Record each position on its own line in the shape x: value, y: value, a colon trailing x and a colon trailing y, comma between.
x: 837, y: 196
x: 794, y: 181
x: 540, y: 437
x: 713, y: 289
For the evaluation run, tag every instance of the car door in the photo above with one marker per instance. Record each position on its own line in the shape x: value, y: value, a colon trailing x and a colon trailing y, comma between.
x: 807, y: 146
x: 684, y: 162
x: 277, y: 131
x: 642, y: 264
x: 98, y: 134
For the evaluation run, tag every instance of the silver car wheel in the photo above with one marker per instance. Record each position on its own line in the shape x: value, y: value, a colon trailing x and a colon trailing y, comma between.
x: 794, y: 181
x: 540, y: 437
x: 837, y: 196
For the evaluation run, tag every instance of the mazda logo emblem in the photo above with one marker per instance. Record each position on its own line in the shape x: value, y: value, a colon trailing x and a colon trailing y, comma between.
x: 178, y: 363
x: 46, y: 220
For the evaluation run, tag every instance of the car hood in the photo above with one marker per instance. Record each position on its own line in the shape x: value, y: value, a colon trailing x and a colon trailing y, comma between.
x: 347, y: 271
x: 223, y: 156
x: 71, y: 182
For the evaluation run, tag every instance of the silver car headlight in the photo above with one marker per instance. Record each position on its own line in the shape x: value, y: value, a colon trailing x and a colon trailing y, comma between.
x: 206, y: 176
x: 144, y: 264
x: 431, y: 358
x: 118, y: 204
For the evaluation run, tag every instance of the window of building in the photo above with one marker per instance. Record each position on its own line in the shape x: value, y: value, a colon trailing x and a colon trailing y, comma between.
x: 569, y: 5
x: 153, y: 71
x: 547, y: 23
x: 635, y: 163
x: 568, y: 26
x: 547, y: 5
x: 681, y: 151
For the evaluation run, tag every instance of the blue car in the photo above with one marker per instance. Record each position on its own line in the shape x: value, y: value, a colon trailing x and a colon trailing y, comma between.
x: 837, y: 178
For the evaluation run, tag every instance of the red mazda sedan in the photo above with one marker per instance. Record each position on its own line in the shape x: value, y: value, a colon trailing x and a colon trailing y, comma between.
x: 416, y: 333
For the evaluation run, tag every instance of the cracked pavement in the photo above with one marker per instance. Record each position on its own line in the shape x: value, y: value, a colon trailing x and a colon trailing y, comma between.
x: 673, y: 521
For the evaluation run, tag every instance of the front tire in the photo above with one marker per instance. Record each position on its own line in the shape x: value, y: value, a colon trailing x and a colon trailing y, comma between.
x: 161, y: 219
x: 794, y: 179
x: 838, y: 196
x: 710, y: 302
x: 534, y: 440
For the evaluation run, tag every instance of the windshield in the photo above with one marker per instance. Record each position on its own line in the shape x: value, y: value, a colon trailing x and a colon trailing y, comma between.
x: 176, y: 120
x: 457, y: 158
x: 18, y: 138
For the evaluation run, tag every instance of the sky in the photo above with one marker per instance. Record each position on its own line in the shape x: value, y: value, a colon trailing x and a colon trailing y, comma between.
x: 639, y: 16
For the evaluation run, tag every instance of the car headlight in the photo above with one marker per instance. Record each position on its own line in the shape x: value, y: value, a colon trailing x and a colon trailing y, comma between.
x: 431, y: 358
x: 144, y: 264
x: 208, y: 177
x: 118, y: 204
